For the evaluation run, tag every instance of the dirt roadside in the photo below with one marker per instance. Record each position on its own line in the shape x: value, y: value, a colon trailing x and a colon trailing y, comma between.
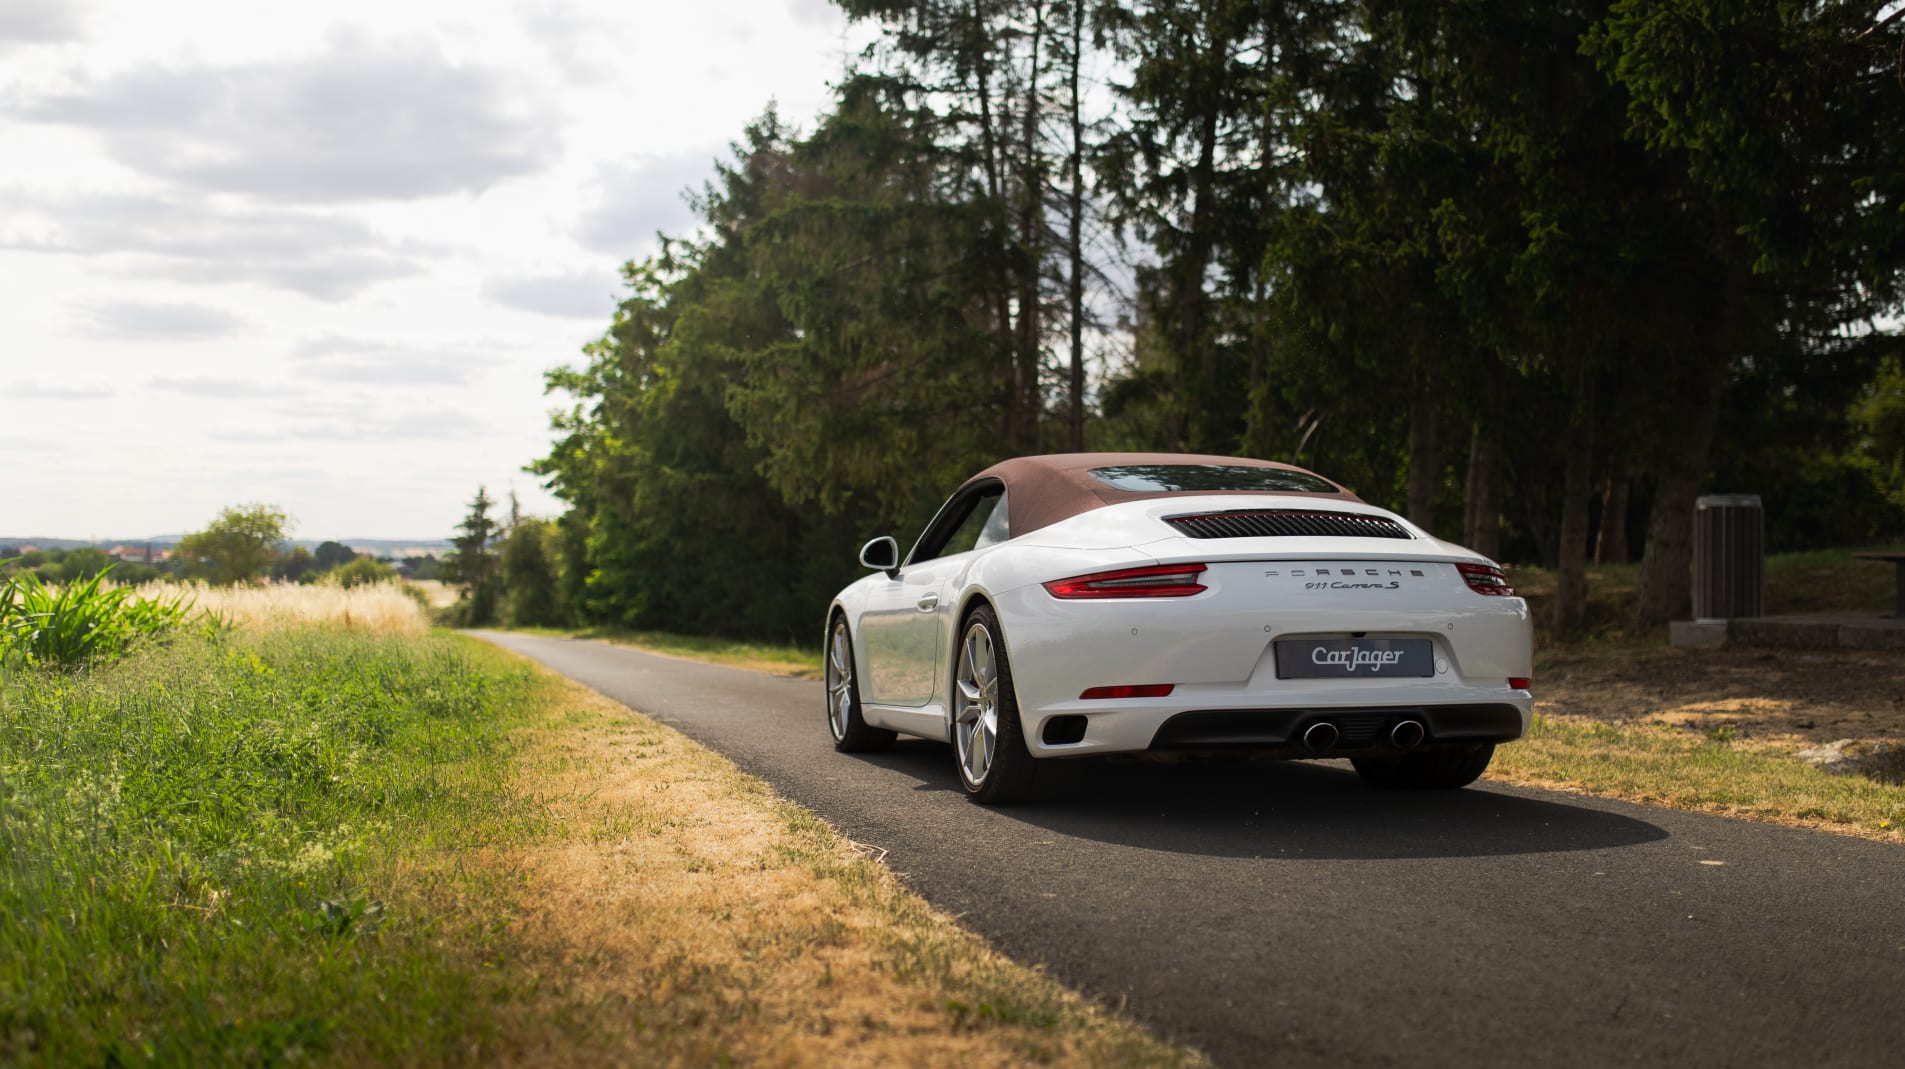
x: 1778, y: 698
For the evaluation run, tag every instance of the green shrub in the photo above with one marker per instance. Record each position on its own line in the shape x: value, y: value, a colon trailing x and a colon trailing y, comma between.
x: 361, y: 571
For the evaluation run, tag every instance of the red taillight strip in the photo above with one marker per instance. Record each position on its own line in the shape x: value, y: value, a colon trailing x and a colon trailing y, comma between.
x: 1151, y: 581
x: 1145, y: 690
x: 1486, y: 579
x: 1519, y: 682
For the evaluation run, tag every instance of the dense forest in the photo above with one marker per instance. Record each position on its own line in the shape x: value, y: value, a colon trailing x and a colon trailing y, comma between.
x: 1534, y: 273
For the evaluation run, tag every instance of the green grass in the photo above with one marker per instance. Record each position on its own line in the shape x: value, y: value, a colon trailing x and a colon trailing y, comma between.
x: 1661, y: 765
x: 209, y: 853
x: 779, y: 658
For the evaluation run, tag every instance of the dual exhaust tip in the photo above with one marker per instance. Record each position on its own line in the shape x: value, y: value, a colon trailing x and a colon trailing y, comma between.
x: 1403, y: 735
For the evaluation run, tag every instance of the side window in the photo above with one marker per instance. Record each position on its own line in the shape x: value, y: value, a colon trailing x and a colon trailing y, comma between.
x: 964, y: 524
x: 998, y: 527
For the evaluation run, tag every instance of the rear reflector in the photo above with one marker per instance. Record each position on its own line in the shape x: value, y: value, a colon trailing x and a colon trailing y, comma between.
x: 1485, y: 579
x: 1519, y: 682
x: 1152, y: 581
x: 1147, y: 690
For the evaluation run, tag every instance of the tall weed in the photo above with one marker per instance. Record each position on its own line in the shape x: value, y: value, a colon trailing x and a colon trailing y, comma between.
x: 80, y: 623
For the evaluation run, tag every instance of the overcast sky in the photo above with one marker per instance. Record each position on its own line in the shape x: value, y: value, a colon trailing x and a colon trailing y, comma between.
x: 320, y: 255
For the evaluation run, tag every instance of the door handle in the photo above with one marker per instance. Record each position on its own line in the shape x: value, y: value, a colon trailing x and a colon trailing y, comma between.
x: 927, y: 603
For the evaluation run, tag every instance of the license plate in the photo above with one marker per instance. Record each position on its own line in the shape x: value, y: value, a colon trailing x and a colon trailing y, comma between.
x: 1369, y: 658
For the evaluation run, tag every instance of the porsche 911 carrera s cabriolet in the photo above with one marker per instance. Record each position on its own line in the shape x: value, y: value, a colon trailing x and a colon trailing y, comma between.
x: 1091, y: 604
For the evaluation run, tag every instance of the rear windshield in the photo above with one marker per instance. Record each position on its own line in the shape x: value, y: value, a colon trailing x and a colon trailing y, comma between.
x: 1156, y: 478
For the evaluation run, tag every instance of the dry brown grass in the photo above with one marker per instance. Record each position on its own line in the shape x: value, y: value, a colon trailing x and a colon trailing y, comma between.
x: 281, y: 606
x: 687, y: 916
x: 435, y: 591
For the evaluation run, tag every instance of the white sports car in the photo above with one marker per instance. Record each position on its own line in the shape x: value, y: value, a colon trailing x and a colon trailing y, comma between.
x: 1114, y: 603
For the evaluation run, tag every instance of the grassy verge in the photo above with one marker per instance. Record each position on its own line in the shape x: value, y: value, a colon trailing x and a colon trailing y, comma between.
x: 1660, y: 764
x: 775, y: 658
x: 227, y: 851
x: 688, y: 914
x: 319, y: 844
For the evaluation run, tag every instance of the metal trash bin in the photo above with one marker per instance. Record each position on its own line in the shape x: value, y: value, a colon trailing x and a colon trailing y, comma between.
x: 1729, y: 556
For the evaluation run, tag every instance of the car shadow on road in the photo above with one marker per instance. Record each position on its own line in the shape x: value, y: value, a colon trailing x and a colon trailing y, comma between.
x: 1287, y: 809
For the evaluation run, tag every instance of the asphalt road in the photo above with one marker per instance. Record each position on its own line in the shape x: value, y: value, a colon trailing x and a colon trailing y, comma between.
x: 1283, y: 915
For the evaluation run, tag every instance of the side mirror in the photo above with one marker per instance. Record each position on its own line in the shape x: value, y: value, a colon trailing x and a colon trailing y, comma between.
x: 882, y: 553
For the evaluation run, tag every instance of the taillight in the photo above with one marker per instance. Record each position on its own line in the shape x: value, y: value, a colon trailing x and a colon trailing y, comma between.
x: 1486, y: 579
x: 1152, y: 581
x: 1519, y: 682
x: 1145, y: 690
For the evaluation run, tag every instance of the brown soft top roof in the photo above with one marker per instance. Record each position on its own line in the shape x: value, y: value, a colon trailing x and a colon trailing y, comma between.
x: 1043, y: 490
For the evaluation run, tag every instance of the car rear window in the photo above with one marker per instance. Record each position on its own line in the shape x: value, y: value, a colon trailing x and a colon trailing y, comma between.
x: 1164, y: 478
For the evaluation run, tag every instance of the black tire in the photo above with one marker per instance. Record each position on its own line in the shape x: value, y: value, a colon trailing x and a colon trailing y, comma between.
x: 850, y: 731
x: 989, y: 750
x: 1434, y: 770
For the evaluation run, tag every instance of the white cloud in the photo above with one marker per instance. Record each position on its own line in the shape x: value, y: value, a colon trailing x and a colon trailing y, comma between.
x: 816, y: 13
x: 39, y: 22
x: 361, y: 120
x: 374, y: 362
x: 325, y: 256
x: 366, y: 422
x: 580, y: 295
x: 580, y: 42
x: 149, y: 321
x: 51, y: 391
x: 218, y: 388
x: 642, y: 197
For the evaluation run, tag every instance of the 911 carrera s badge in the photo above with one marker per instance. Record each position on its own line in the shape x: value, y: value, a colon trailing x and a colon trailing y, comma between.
x: 1316, y: 658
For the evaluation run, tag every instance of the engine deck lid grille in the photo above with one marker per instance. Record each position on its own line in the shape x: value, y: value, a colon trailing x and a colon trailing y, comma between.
x: 1286, y: 523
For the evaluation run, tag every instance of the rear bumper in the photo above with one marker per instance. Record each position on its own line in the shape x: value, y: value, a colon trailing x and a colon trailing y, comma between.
x: 1358, y: 729
x: 1217, y: 651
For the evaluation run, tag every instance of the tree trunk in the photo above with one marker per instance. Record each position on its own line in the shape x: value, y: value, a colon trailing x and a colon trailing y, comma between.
x: 1257, y: 424
x: 1075, y: 238
x: 1031, y: 259
x: 1610, y: 545
x: 1577, y: 487
x: 1481, y: 524
x: 990, y: 153
x: 1195, y: 360
x: 1425, y: 458
x: 1666, y: 566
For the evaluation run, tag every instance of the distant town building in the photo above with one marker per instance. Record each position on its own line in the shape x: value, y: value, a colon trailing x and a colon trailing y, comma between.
x: 139, y: 554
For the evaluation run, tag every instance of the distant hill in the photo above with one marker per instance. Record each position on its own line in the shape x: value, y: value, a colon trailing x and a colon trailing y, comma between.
x: 377, y: 547
x: 62, y: 543
x: 386, y: 547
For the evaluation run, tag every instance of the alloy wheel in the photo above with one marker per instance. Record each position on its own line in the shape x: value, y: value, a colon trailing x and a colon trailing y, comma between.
x: 976, y: 724
x: 839, y: 681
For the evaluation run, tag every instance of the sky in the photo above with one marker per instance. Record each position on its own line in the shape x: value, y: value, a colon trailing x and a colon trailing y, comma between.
x: 320, y: 256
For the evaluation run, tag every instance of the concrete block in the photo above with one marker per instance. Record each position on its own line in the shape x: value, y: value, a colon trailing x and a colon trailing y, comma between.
x: 1697, y: 632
